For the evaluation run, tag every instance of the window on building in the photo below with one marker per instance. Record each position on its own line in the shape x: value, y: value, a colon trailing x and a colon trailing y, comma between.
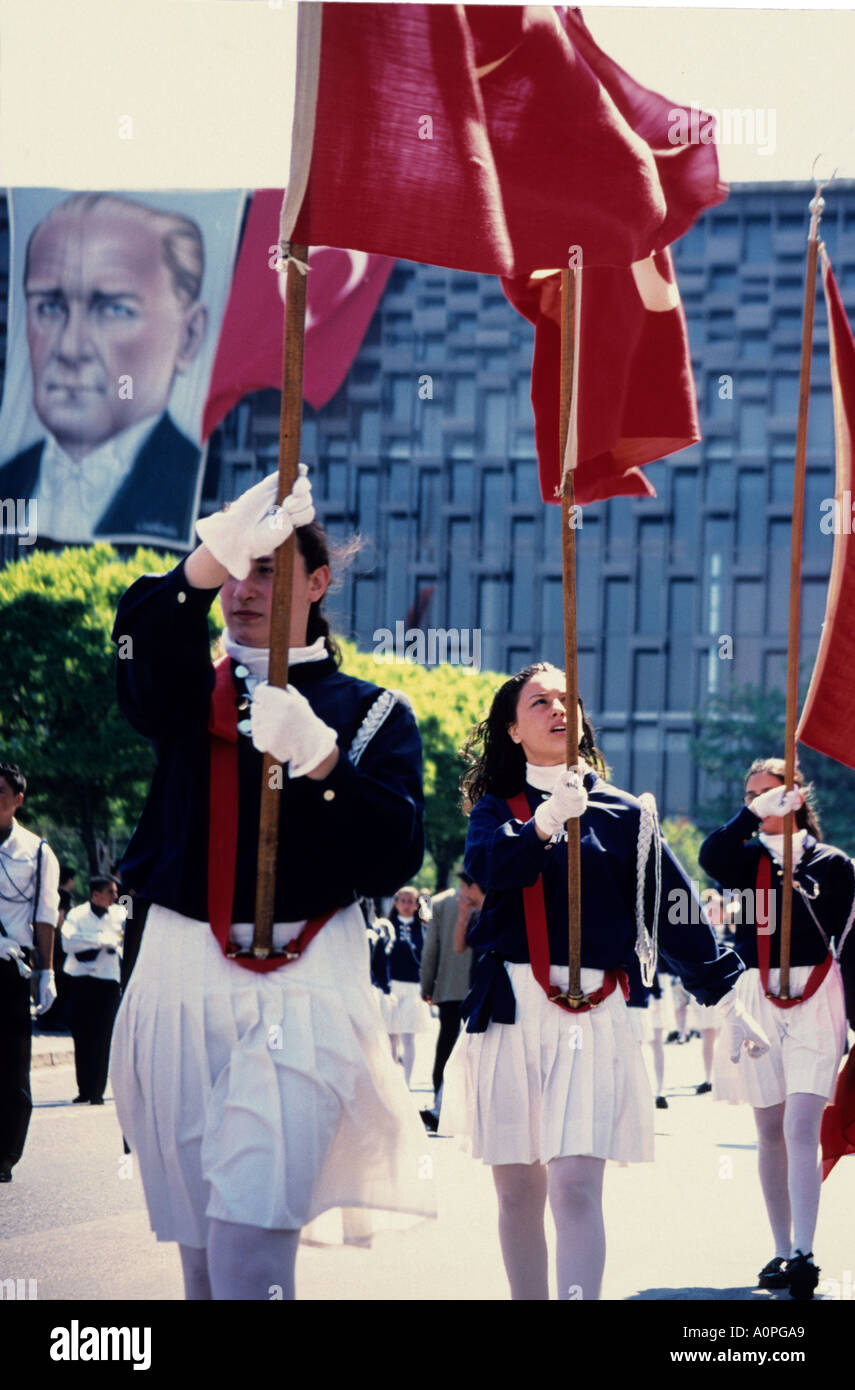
x: 523, y: 576
x: 648, y: 694
x: 616, y: 653
x: 651, y: 577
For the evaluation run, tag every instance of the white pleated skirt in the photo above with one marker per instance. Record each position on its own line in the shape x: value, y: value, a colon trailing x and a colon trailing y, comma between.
x: 552, y: 1084
x: 807, y: 1042
x: 404, y: 1010
x: 262, y: 1099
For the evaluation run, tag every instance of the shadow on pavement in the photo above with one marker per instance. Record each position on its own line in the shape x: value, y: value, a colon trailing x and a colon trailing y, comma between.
x: 707, y: 1295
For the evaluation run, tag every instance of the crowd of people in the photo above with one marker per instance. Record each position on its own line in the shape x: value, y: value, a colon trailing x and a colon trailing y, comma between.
x: 260, y: 1093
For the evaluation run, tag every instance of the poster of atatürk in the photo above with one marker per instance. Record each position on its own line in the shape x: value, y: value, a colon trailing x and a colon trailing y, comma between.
x: 115, y: 302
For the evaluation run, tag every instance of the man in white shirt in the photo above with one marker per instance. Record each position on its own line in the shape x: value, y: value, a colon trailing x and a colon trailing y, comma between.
x: 29, y: 906
x: 92, y: 937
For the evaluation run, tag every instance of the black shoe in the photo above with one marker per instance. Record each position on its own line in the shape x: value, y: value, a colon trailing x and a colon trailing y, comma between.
x: 661, y: 1103
x: 802, y: 1276
x: 773, y: 1275
x: 673, y: 1037
x: 430, y: 1120
x: 704, y: 1088
x: 693, y: 1033
x: 5, y: 1171
x: 80, y: 1100
x: 97, y: 1100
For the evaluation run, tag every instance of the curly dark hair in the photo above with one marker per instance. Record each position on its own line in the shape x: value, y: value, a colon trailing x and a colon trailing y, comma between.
x: 805, y: 817
x: 496, y: 763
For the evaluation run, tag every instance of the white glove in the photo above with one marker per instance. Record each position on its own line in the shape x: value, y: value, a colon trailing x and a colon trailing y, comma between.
x: 743, y: 1030
x: 47, y: 991
x: 253, y: 525
x: 283, y: 723
x: 10, y: 950
x: 569, y: 798
x: 776, y: 802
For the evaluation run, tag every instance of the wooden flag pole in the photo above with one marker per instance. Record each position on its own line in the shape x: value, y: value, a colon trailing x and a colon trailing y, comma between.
x: 290, y: 419
x: 569, y: 374
x: 816, y: 206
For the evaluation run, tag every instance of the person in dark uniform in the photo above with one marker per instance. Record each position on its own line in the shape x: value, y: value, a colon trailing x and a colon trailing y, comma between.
x: 256, y: 1095
x: 542, y: 1093
x: 789, y: 1087
x: 405, y: 1011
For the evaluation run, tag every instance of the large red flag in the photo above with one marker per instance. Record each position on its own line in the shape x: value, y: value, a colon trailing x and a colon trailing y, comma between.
x: 343, y: 291
x: 636, y: 391
x: 485, y: 138
x: 828, y: 718
x: 837, y: 1133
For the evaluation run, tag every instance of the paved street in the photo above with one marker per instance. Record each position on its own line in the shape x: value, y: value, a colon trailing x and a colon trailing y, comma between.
x: 690, y: 1226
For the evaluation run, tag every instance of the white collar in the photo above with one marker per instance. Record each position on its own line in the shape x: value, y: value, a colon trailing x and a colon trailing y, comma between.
x: 775, y: 846
x: 545, y: 777
x: 256, y: 659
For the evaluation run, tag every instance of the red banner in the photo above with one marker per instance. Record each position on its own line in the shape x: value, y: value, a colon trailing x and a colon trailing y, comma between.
x: 343, y: 292
x: 828, y: 718
x: 636, y: 390
x: 486, y: 138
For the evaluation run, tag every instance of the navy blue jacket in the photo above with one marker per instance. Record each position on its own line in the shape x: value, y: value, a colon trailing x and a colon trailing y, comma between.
x: 505, y: 855
x: 357, y: 832
x: 405, y: 960
x: 825, y: 876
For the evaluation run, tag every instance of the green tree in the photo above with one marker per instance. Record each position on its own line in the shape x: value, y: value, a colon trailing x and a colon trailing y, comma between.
x: 59, y: 720
x: 89, y: 772
x: 448, y: 701
x: 685, y: 839
x: 746, y: 723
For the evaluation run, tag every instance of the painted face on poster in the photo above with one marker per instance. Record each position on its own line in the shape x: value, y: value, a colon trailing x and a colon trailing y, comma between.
x: 115, y: 306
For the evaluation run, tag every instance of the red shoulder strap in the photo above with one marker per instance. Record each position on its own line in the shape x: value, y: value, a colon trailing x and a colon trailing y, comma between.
x: 223, y: 801
x: 534, y: 907
x: 537, y: 933
x: 762, y: 892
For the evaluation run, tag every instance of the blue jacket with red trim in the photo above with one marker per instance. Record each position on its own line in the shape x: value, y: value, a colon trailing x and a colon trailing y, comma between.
x: 505, y: 855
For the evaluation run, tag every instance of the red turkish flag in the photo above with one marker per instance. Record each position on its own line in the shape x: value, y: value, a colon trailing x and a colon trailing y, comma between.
x: 837, y: 1133
x: 342, y: 293
x: 636, y: 391
x: 485, y: 138
x: 828, y: 718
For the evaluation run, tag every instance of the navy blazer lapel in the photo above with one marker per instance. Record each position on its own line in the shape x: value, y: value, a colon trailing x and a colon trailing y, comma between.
x: 158, y: 495
x: 18, y: 477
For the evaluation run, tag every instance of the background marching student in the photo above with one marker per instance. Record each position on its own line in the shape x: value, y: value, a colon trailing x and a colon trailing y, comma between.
x: 542, y: 1093
x: 789, y: 1087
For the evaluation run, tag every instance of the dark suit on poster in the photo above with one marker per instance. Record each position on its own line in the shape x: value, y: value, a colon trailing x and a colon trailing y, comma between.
x: 156, y: 497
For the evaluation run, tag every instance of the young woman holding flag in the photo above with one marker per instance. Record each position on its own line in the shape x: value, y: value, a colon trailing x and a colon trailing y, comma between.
x: 789, y: 1087
x: 257, y: 1095
x: 542, y: 1094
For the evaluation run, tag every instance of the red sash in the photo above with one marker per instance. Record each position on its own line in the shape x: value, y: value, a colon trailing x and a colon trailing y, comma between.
x: 534, y: 907
x: 223, y: 829
x: 763, y: 885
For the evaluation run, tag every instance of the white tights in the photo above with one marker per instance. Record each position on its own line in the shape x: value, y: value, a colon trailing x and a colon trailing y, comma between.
x: 408, y: 1051
x: 241, y: 1262
x: 574, y: 1186
x: 790, y: 1173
